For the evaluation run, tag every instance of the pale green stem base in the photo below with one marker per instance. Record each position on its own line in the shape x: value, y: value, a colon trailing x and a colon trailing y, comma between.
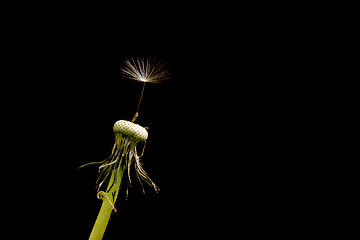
x: 102, y: 220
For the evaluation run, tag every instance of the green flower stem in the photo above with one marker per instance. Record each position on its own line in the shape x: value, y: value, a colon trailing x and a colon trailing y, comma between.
x: 102, y: 220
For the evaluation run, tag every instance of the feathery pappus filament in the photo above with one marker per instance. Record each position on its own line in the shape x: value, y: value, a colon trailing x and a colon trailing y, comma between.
x: 145, y: 70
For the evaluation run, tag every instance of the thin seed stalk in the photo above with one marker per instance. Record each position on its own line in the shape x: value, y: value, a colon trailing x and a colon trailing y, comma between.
x: 102, y: 220
x: 138, y: 107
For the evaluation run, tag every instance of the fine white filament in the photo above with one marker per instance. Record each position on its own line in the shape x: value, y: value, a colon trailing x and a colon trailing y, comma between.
x: 145, y: 70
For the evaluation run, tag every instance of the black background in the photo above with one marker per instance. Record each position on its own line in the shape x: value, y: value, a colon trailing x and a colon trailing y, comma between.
x: 67, y: 95
x: 210, y: 126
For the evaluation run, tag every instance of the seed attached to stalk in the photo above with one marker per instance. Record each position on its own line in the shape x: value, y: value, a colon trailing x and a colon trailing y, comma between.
x: 145, y: 70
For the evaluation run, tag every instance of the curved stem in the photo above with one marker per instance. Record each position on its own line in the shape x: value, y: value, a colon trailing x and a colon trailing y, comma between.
x: 137, y: 110
x: 102, y: 220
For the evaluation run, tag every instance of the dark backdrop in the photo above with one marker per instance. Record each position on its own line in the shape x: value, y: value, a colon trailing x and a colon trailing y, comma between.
x: 210, y: 126
x: 67, y: 99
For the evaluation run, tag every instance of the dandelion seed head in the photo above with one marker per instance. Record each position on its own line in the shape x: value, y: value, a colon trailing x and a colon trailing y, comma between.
x: 145, y: 70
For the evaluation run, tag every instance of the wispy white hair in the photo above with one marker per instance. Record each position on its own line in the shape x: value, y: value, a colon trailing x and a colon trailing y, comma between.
x: 145, y: 69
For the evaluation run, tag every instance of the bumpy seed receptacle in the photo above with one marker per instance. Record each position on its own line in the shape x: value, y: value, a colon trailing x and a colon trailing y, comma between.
x: 131, y: 129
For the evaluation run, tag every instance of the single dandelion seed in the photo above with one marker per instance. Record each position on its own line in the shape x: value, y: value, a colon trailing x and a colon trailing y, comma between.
x: 145, y: 70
